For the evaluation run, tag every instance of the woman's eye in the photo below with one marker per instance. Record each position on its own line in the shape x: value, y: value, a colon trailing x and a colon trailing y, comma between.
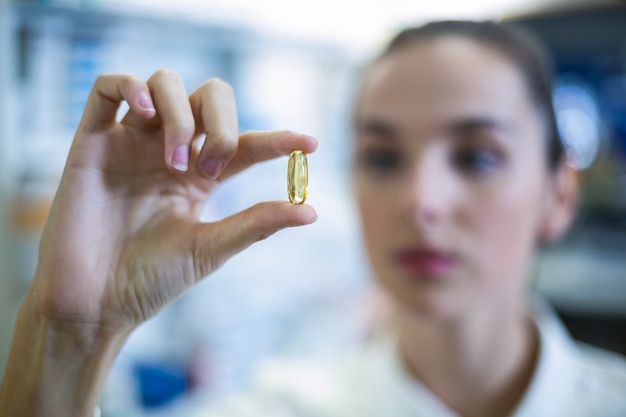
x: 379, y: 162
x: 478, y: 162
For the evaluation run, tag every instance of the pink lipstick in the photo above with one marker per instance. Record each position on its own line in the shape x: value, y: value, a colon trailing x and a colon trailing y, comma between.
x: 425, y: 263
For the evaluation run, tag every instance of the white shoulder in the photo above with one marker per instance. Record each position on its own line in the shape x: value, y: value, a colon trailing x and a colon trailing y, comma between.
x: 604, y: 376
x: 608, y: 365
x: 301, y: 388
x: 323, y: 386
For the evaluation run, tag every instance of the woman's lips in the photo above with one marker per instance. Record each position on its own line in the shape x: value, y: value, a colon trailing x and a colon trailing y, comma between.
x: 425, y: 263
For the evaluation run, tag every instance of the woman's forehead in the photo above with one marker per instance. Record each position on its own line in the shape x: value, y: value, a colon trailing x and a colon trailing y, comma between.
x: 435, y: 78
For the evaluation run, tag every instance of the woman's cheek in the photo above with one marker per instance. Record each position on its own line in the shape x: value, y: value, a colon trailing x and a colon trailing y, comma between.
x: 372, y: 217
x: 376, y: 223
x: 507, y: 236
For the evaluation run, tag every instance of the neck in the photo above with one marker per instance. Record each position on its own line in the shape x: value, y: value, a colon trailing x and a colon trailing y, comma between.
x: 479, y: 364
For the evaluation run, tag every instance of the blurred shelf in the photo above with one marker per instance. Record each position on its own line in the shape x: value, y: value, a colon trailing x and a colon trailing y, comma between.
x: 216, y: 32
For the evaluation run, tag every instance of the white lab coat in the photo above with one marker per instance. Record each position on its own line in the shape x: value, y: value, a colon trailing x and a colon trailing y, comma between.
x: 571, y: 380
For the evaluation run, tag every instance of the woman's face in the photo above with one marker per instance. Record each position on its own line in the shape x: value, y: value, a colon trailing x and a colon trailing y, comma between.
x: 450, y: 175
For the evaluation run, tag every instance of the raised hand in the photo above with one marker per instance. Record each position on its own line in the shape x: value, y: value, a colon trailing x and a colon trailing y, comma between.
x: 124, y: 237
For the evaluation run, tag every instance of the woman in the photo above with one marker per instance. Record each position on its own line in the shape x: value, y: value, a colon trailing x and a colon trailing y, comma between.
x: 459, y: 174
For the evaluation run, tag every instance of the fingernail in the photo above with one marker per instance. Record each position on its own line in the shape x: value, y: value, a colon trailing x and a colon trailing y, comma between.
x: 145, y: 102
x: 212, y: 167
x: 180, y: 158
x: 313, y: 217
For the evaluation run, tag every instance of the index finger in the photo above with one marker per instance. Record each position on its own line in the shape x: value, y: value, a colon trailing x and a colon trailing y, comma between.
x: 255, y: 147
x: 105, y: 98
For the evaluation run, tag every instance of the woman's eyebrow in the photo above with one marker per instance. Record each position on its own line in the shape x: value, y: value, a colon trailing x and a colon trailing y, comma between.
x: 474, y: 124
x: 377, y: 128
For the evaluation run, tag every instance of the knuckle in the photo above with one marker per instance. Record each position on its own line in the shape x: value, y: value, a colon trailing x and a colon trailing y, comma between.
x: 219, y: 144
x: 217, y: 84
x: 218, y: 138
x: 255, y: 223
x: 248, y: 220
x: 128, y: 84
x: 124, y: 83
x: 249, y: 156
x: 262, y: 237
x: 104, y: 78
x: 105, y: 81
x: 101, y: 79
x: 166, y: 74
x: 184, y: 129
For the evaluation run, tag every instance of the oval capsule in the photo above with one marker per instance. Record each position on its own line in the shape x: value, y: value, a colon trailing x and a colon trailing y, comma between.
x: 297, y: 177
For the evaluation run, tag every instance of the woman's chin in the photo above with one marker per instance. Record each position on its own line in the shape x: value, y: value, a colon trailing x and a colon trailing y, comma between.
x: 433, y: 303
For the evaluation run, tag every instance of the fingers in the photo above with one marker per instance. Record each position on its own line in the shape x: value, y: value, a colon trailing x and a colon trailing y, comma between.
x: 216, y: 242
x: 211, y: 111
x: 105, y: 98
x: 164, y: 94
x: 215, y: 113
x: 173, y: 107
x: 255, y: 147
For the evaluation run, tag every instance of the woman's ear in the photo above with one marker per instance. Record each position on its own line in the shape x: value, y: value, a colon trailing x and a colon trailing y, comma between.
x: 562, y: 203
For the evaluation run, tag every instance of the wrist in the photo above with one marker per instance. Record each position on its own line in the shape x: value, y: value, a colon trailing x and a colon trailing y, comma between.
x: 57, y: 368
x: 62, y: 339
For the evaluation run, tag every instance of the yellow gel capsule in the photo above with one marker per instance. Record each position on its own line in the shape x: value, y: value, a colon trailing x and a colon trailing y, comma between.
x: 297, y: 177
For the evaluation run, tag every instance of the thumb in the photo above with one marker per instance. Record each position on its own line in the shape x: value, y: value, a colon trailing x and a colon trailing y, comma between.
x: 219, y: 241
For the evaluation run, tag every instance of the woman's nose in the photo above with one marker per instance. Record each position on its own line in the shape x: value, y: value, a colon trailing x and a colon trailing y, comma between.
x: 428, y: 193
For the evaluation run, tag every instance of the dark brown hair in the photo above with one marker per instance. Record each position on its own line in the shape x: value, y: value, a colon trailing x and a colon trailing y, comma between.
x: 515, y: 43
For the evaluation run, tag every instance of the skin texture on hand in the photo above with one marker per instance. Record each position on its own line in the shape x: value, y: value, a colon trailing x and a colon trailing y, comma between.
x: 124, y: 237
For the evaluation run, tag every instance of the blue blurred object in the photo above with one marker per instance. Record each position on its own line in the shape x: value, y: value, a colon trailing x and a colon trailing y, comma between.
x: 160, y: 384
x: 587, y: 44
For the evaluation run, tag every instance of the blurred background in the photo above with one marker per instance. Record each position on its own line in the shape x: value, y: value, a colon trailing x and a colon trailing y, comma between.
x: 293, y: 65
